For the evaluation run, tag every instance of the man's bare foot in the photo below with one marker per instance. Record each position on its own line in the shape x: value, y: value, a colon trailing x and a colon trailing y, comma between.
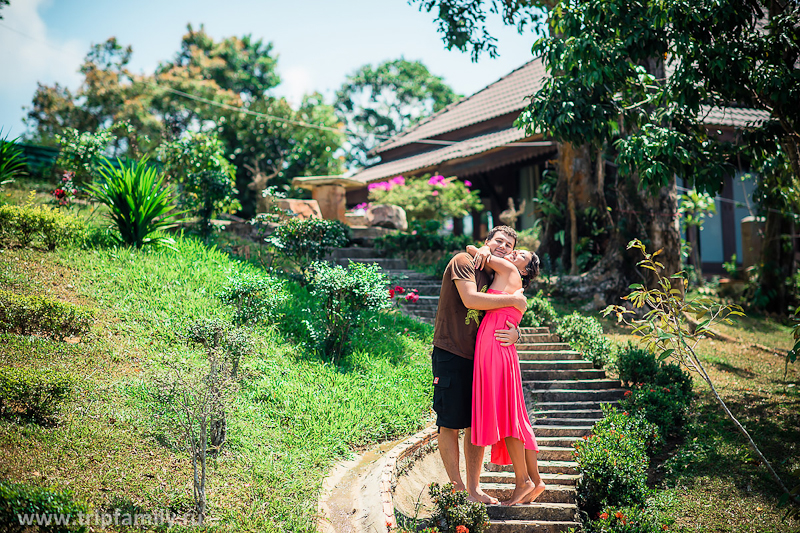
x: 520, y: 492
x: 532, y: 495
x: 482, y: 497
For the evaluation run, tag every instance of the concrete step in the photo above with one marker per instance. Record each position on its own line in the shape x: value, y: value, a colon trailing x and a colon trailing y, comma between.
x: 572, y: 395
x: 554, y: 453
x: 549, y: 467
x: 549, y: 479
x: 554, y: 364
x: 542, y: 337
x: 550, y: 512
x: 353, y: 253
x: 544, y: 346
x: 534, y: 331
x: 409, y: 274
x: 562, y: 431
x: 552, y: 494
x: 567, y: 414
x: 421, y: 312
x: 545, y: 374
x: 530, y: 526
x: 575, y: 384
x: 555, y: 355
x: 547, y: 421
x: 557, y: 442
x: 381, y: 262
x: 571, y: 406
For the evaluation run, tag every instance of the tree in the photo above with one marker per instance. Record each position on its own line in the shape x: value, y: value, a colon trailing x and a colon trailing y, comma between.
x: 377, y: 102
x: 3, y: 3
x: 608, y: 88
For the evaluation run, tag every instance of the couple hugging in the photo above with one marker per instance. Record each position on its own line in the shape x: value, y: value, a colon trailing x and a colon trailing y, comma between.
x: 477, y: 385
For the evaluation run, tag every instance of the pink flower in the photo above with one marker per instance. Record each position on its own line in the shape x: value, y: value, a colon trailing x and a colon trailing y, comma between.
x: 468, y: 183
x: 399, y: 290
x: 435, y: 193
x: 412, y: 297
x: 399, y: 180
x: 414, y: 232
x: 363, y: 205
x: 436, y: 180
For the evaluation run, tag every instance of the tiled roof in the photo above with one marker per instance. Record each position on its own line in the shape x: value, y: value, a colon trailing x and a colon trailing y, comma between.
x: 735, y: 117
x: 466, y: 148
x: 506, y: 95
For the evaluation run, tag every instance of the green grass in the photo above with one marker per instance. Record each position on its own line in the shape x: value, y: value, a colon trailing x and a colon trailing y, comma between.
x: 293, y: 416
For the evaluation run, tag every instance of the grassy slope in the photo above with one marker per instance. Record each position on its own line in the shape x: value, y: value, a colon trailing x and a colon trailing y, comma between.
x: 709, y: 481
x: 293, y: 416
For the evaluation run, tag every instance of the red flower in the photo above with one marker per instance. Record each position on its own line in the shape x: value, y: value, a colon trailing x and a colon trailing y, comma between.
x: 412, y: 297
x: 604, y: 516
x: 59, y: 193
x: 391, y: 293
x: 664, y: 527
x: 627, y: 393
x: 399, y: 290
x: 462, y: 529
x: 666, y: 389
x: 625, y: 413
x: 652, y: 390
x: 620, y: 515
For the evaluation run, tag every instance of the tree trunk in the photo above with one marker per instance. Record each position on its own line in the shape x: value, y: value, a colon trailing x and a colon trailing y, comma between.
x: 774, y: 259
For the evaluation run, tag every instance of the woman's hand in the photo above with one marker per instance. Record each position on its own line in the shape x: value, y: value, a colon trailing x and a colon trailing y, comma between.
x: 482, y: 257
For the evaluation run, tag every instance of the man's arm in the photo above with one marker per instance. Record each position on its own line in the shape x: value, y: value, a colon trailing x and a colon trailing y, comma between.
x: 474, y: 299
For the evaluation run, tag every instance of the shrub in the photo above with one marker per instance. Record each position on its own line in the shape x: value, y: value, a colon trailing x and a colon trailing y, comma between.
x: 214, y: 334
x: 206, y: 179
x: 613, y: 464
x: 80, y: 153
x: 19, y: 499
x: 454, y: 511
x: 254, y: 296
x: 12, y: 159
x: 397, y: 243
x: 636, y: 365
x: 626, y: 520
x: 427, y: 197
x: 306, y: 241
x: 663, y: 406
x: 34, y: 394
x: 346, y: 297
x: 138, y: 201
x: 629, y: 423
x: 24, y: 225
x: 28, y: 315
x: 540, y: 312
x: 585, y: 334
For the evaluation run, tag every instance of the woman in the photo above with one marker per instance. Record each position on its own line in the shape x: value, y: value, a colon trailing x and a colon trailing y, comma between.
x: 499, y: 415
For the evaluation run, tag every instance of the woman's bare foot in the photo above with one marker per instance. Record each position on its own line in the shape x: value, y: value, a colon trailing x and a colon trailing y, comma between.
x: 532, y: 495
x: 482, y: 497
x: 520, y: 492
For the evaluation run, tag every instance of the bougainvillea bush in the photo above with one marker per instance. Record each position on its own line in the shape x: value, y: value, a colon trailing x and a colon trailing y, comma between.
x: 428, y: 197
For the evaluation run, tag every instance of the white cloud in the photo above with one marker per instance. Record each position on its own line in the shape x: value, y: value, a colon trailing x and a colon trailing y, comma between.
x: 296, y: 81
x: 30, y: 56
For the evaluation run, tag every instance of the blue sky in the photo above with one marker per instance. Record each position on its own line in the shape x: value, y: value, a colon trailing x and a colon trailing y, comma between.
x: 318, y: 42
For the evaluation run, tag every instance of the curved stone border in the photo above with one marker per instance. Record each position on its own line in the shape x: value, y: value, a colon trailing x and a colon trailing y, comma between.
x: 390, y: 469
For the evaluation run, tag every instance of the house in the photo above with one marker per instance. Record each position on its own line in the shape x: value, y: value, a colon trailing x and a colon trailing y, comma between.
x: 475, y: 139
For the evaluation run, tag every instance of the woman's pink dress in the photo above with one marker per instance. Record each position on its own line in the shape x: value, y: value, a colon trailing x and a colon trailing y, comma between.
x: 498, y: 406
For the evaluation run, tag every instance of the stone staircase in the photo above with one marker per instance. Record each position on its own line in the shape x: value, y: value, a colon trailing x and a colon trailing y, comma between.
x: 563, y: 394
x: 399, y: 274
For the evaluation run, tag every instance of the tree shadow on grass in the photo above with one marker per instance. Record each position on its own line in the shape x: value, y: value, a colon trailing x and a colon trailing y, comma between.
x: 714, y: 447
x: 724, y: 366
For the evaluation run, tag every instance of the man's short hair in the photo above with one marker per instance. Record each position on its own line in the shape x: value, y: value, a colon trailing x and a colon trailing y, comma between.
x: 503, y: 229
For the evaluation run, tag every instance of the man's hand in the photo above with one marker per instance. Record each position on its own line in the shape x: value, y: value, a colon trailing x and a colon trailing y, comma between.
x: 482, y: 257
x: 521, y: 302
x: 507, y: 337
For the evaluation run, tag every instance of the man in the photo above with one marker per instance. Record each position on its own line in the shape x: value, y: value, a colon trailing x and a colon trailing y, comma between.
x: 456, y: 328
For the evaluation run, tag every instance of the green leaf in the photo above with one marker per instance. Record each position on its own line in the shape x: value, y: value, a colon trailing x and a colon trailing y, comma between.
x: 665, y: 354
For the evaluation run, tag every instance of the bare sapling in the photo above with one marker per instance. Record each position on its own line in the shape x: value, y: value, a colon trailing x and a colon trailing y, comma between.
x: 666, y: 330
x: 198, y: 399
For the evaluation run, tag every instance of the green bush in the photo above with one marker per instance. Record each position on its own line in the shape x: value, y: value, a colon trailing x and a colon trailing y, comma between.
x: 585, y: 334
x: 427, y: 197
x: 27, y: 315
x: 613, y: 463
x: 345, y: 298
x: 40, y: 225
x: 454, y: 509
x: 632, y: 424
x: 305, y: 241
x: 140, y: 204
x: 636, y: 365
x: 80, y: 153
x: 34, y: 394
x: 253, y: 296
x: 664, y: 406
x: 626, y: 520
x: 540, y: 312
x: 12, y: 159
x: 218, y: 336
x: 18, y: 499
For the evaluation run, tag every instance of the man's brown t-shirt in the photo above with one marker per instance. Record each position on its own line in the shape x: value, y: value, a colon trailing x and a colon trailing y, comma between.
x: 456, y: 327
